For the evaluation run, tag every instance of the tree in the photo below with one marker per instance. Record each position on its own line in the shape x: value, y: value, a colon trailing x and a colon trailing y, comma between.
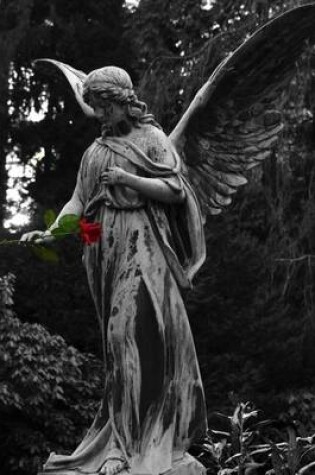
x: 87, y: 37
x: 14, y: 20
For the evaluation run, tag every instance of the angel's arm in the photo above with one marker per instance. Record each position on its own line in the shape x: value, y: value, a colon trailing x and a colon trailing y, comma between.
x: 73, y: 206
x: 153, y: 188
x: 159, y: 189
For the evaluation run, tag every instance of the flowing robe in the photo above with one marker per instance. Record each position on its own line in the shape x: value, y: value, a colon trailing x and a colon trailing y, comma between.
x: 153, y: 404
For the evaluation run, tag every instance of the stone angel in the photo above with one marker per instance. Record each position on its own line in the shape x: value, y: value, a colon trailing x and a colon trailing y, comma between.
x: 150, y: 192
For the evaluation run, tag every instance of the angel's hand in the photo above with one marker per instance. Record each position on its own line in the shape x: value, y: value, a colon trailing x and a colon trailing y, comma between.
x: 37, y: 237
x: 114, y: 176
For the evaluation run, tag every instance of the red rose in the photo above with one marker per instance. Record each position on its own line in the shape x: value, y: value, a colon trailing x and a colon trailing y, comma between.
x: 89, y: 232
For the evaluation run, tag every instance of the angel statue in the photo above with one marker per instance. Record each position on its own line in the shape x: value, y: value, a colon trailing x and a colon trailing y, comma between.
x: 151, y: 205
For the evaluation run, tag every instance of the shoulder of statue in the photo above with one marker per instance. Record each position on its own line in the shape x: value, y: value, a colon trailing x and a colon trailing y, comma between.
x: 152, y: 131
x: 88, y: 153
x: 154, y: 137
x: 158, y: 146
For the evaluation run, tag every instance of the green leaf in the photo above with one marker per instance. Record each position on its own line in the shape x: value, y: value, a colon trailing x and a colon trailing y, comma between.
x: 45, y: 254
x: 49, y: 217
x: 59, y: 233
x: 69, y: 223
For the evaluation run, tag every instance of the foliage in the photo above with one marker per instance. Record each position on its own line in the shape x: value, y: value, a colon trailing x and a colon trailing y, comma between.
x: 179, y: 44
x: 14, y: 20
x: 54, y: 294
x: 248, y: 445
x: 48, y: 391
x: 300, y: 407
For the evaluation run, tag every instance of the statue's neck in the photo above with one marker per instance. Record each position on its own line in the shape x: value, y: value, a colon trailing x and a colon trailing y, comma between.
x: 119, y: 129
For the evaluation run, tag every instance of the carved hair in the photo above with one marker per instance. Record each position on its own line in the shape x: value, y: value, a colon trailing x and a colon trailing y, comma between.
x: 114, y: 84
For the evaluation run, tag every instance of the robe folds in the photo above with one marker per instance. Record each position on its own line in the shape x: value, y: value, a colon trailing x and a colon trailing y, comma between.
x: 153, y: 404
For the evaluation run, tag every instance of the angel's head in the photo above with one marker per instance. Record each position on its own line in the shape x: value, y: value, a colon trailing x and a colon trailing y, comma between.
x: 109, y: 91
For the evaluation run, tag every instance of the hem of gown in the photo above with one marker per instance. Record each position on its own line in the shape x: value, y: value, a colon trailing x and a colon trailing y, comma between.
x: 187, y: 465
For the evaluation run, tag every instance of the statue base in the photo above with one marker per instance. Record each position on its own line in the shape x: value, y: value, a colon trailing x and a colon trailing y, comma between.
x: 187, y: 465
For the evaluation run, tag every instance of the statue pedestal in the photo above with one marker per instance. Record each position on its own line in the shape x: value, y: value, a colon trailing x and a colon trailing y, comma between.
x: 187, y: 465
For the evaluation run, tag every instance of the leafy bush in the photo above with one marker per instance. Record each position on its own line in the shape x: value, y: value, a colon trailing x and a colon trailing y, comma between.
x: 245, y: 445
x: 48, y: 390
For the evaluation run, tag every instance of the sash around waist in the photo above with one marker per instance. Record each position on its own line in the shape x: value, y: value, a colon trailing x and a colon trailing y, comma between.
x: 94, y: 204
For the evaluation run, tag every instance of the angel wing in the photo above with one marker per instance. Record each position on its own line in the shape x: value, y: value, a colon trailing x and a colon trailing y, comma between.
x: 76, y: 79
x: 231, y: 124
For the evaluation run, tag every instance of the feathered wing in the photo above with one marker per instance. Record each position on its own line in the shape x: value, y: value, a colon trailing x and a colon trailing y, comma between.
x: 76, y: 79
x: 232, y: 125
